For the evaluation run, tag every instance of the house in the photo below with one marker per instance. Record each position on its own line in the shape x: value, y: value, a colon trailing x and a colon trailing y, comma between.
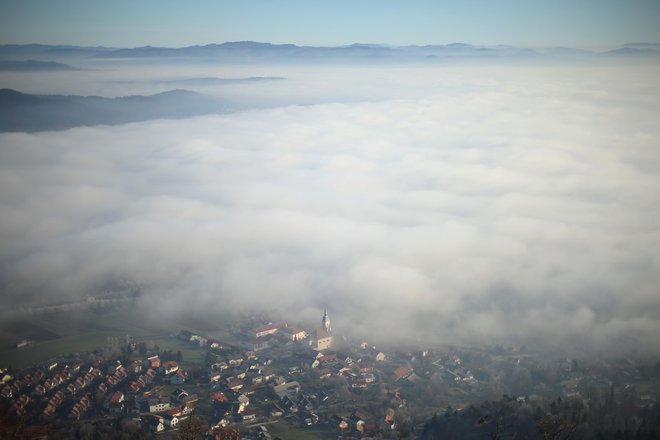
x: 293, y: 333
x: 276, y: 411
x: 178, y: 395
x: 7, y: 392
x: 327, y: 359
x: 340, y: 422
x: 256, y: 380
x: 380, y: 357
x: 154, y: 362
x: 135, y: 386
x: 219, y: 397
x: 72, y: 388
x: 369, y: 378
x: 402, y: 372
x: 178, y: 378
x: 156, y: 405
x: 215, y: 345
x: 264, y: 342
x: 389, y: 419
x: 54, y: 403
x: 234, y: 384
x: 185, y: 335
x: 250, y: 415
x: 235, y: 360
x: 364, y: 368
x: 202, y: 341
x: 116, y: 408
x: 116, y: 402
x: 150, y: 375
x: 268, y: 329
x: 112, y: 368
x: 154, y: 423
x: 39, y: 390
x: 286, y: 389
x: 170, y: 420
x: 177, y: 411
x: 189, y: 403
x: 304, y: 402
x: 6, y: 378
x: 81, y: 407
x: 224, y: 433
x: 169, y: 367
x: 243, y: 400
x: 21, y: 402
x: 135, y: 367
x: 49, y: 410
x: 308, y: 418
x: 570, y: 387
x: 288, y: 404
x: 219, y: 366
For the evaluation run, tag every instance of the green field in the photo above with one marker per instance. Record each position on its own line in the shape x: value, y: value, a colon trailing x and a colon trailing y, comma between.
x: 54, y: 335
x: 287, y: 432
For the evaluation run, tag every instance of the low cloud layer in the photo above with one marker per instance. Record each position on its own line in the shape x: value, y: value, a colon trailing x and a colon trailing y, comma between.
x: 504, y: 206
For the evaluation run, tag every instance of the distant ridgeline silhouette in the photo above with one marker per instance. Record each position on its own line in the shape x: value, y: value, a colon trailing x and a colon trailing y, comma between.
x: 31, y: 113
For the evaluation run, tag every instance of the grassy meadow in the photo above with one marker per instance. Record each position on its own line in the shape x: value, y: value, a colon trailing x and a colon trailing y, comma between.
x: 59, y: 334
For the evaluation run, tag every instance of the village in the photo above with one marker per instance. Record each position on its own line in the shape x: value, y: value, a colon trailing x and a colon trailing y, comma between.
x: 275, y: 380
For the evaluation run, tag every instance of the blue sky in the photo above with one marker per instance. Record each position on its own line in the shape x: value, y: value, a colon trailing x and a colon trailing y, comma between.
x: 595, y: 24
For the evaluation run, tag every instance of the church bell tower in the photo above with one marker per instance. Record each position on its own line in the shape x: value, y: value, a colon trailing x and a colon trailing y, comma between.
x: 325, y: 322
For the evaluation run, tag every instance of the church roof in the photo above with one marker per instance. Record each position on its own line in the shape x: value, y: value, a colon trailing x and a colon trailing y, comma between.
x: 321, y: 333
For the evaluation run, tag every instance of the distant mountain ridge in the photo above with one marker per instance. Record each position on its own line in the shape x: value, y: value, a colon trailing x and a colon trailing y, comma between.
x: 17, y: 51
x: 208, y: 81
x: 254, y: 50
x: 31, y: 113
x: 34, y: 66
x: 251, y: 51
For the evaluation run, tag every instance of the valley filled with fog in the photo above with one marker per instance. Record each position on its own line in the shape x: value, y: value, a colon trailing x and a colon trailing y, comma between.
x: 473, y: 202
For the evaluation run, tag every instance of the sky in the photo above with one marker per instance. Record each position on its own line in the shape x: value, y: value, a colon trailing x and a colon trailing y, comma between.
x: 589, y: 24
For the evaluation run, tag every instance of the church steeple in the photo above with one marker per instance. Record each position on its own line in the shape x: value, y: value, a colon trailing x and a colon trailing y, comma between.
x: 325, y: 322
x: 322, y: 336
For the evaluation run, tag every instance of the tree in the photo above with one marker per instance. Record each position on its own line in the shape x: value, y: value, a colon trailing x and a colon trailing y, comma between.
x: 556, y: 428
x: 10, y: 426
x: 405, y: 428
x: 191, y: 429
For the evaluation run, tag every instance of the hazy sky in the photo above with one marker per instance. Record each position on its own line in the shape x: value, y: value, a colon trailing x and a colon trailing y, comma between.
x: 594, y: 24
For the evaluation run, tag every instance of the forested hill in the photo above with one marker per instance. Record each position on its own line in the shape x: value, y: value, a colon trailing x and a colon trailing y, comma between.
x: 31, y: 113
x: 618, y: 415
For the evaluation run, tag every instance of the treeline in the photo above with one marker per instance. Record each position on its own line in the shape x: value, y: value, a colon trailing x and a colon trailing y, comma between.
x: 613, y: 416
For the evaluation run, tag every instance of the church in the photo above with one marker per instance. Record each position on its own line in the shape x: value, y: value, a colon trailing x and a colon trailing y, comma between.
x: 321, y: 338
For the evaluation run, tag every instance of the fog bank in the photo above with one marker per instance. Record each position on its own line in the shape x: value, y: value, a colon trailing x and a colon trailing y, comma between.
x: 464, y: 205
